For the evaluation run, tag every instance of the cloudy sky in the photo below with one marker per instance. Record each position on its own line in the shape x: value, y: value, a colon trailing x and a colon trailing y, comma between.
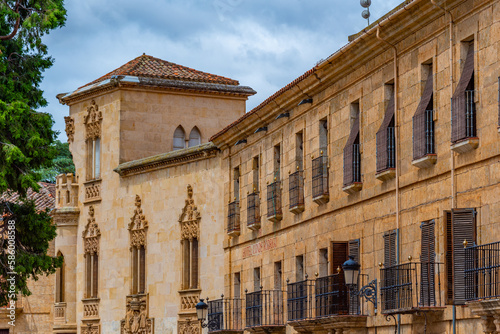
x: 263, y: 44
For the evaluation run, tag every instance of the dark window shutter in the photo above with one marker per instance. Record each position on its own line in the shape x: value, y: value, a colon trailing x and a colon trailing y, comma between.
x: 142, y: 269
x: 194, y: 264
x: 463, y: 228
x: 419, y: 120
x: 339, y: 256
x: 427, y: 260
x: 95, y: 276
x: 354, y: 249
x: 349, y: 153
x: 458, y: 102
x: 354, y: 306
x: 382, y: 137
x: 449, y: 257
x: 390, y: 248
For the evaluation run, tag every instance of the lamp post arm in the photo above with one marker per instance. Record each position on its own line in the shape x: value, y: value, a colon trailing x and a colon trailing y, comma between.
x: 369, y: 292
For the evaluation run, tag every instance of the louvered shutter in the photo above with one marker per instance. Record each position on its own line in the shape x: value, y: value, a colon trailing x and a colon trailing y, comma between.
x: 142, y: 269
x: 463, y: 228
x: 194, y: 264
x: 449, y: 257
x: 458, y: 102
x: 427, y: 260
x: 95, y: 276
x: 419, y: 120
x: 382, y: 145
x: 349, y: 153
x: 354, y: 249
x: 354, y: 306
x: 390, y: 248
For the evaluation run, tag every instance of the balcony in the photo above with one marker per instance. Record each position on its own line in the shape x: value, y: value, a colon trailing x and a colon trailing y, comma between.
x: 233, y: 219
x: 225, y: 316
x: 424, y: 153
x: 59, y: 313
x: 470, y: 141
x: 482, y: 282
x: 274, y: 212
x: 320, y: 180
x: 411, y: 288
x: 253, y: 211
x: 323, y: 304
x: 354, y: 180
x: 386, y: 162
x: 296, y: 192
x: 265, y: 311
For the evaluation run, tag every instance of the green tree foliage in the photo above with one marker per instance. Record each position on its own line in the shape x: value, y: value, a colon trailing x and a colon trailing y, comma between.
x: 26, y: 136
x: 62, y: 163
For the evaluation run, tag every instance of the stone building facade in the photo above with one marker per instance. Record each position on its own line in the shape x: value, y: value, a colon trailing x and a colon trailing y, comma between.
x: 387, y: 152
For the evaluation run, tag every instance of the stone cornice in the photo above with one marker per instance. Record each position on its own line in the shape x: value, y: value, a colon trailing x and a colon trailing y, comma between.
x: 166, y: 160
x: 155, y: 83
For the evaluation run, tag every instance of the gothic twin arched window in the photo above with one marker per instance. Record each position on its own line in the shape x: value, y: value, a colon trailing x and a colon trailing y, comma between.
x: 180, y: 138
x: 93, y: 121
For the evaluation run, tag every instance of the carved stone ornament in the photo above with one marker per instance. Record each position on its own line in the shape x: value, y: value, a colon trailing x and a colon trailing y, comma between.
x: 189, y: 327
x: 90, y: 328
x: 91, y: 234
x: 190, y: 218
x: 70, y: 128
x: 136, y: 318
x: 93, y: 121
x: 138, y: 225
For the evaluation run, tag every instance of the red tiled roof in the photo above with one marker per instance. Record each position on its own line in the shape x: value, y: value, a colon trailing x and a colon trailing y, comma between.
x: 151, y: 67
x: 44, y: 198
x: 265, y: 102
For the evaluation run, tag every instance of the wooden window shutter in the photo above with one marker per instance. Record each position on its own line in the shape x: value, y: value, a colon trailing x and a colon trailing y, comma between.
x: 349, y: 153
x: 95, y: 275
x: 419, y: 120
x: 339, y: 256
x: 88, y: 278
x: 449, y: 257
x: 390, y: 248
x: 194, y: 264
x: 354, y: 306
x: 354, y: 249
x: 382, y: 137
x: 427, y: 260
x: 142, y: 269
x: 463, y: 228
x: 458, y: 102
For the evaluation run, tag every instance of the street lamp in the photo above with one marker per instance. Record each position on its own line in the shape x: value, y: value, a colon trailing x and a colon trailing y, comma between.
x: 202, y: 312
x: 351, y: 275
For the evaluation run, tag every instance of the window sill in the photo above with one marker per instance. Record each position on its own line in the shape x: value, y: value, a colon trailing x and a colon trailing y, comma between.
x: 466, y: 145
x: 353, y: 188
x: 233, y: 233
x: 386, y: 174
x: 297, y: 209
x: 322, y: 199
x: 275, y: 218
x: 426, y: 161
x: 92, y: 191
x: 254, y: 226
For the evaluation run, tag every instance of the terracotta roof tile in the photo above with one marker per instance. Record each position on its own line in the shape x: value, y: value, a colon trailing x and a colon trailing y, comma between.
x: 44, y: 198
x: 150, y: 67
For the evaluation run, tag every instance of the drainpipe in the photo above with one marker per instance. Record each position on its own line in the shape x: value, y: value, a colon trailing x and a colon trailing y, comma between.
x: 452, y: 153
x: 396, y: 126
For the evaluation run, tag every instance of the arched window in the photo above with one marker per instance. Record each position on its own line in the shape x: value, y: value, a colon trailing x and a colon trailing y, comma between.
x: 60, y: 281
x: 91, y: 236
x: 179, y: 138
x: 93, y: 121
x: 194, y: 137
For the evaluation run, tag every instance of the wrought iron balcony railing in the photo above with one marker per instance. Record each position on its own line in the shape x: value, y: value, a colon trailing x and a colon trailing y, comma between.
x: 296, y: 192
x: 320, y: 179
x: 482, y: 271
x: 264, y: 308
x: 225, y: 315
x: 323, y: 297
x: 274, y: 211
x: 233, y: 219
x: 408, y: 287
x: 470, y: 114
x: 253, y: 211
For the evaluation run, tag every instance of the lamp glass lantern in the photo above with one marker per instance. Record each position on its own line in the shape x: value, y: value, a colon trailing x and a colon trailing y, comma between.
x: 201, y: 310
x: 351, y: 271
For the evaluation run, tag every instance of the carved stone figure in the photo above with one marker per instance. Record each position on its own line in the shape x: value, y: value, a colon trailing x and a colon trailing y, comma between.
x: 136, y: 319
x: 70, y: 128
x: 93, y: 121
x: 91, y: 234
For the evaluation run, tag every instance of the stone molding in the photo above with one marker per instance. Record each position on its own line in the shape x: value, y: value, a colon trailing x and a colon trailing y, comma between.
x: 92, y: 191
x: 93, y: 121
x: 91, y: 308
x: 138, y: 225
x: 188, y: 327
x: 91, y: 234
x: 190, y: 218
x: 136, y: 318
x: 70, y: 128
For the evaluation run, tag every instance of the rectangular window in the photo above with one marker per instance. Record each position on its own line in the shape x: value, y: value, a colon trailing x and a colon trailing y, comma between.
x: 299, y: 150
x: 320, y: 166
x: 236, y: 184
x: 423, y: 119
x: 277, y: 162
x: 323, y: 136
x: 256, y: 279
x: 352, y: 153
x: 386, y: 136
x: 323, y: 262
x: 460, y: 227
x: 299, y: 268
x: 95, y: 275
x: 93, y: 158
x: 296, y: 179
x: 390, y: 251
x: 237, y: 285
x: 88, y: 274
x: 463, y: 111
x: 255, y: 174
x: 186, y: 258
x: 278, y: 275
